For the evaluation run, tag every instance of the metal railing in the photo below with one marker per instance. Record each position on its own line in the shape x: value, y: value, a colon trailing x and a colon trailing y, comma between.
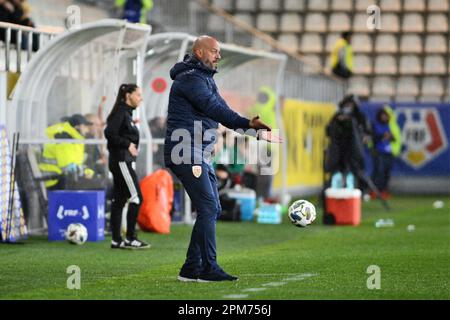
x: 21, y: 39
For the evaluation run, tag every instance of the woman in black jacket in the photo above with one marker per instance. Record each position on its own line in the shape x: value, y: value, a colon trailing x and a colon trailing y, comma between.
x: 123, y: 142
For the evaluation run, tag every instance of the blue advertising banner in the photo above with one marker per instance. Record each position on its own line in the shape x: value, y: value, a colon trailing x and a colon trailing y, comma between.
x: 85, y: 207
x: 425, y: 131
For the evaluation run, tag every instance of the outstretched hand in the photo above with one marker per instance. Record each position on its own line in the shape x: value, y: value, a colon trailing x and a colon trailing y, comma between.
x: 257, y: 124
x: 269, y: 136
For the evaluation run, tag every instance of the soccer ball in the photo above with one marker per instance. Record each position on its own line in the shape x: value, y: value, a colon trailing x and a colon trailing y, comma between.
x: 76, y: 233
x: 302, y: 213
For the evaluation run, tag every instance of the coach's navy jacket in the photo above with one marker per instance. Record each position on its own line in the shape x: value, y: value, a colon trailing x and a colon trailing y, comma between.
x: 194, y: 97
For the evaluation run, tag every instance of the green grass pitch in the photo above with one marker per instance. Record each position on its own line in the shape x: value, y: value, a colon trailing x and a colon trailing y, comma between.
x: 273, y: 261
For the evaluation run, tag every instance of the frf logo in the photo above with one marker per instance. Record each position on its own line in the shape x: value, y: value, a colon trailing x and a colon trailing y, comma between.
x: 72, y: 213
x: 423, y: 135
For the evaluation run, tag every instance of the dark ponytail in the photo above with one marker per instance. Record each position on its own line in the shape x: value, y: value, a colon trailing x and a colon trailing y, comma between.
x: 121, y: 96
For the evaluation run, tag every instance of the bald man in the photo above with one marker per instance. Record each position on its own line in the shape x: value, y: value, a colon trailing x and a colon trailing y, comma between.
x: 195, y: 110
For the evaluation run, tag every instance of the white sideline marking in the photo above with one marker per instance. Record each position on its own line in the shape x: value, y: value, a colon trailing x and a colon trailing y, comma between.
x: 254, y: 289
x: 274, y: 284
x: 235, y: 296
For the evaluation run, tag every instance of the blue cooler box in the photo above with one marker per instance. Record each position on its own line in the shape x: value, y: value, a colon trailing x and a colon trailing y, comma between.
x: 247, y: 200
x: 85, y: 207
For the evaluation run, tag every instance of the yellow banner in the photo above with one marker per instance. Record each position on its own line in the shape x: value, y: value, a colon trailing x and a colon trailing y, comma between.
x: 304, y: 123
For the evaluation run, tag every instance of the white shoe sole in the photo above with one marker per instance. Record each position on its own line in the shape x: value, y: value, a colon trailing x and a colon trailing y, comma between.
x: 183, y: 279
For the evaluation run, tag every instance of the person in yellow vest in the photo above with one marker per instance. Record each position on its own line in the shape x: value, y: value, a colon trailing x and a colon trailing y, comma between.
x: 342, y: 56
x: 135, y: 11
x: 63, y: 158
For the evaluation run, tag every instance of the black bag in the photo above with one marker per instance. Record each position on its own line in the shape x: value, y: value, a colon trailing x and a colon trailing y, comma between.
x: 231, y: 210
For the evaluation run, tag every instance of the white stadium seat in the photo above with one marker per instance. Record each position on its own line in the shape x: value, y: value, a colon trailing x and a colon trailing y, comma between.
x: 359, y: 86
x: 318, y: 5
x: 413, y: 22
x: 385, y: 64
x: 411, y: 43
x: 435, y: 43
x: 390, y: 5
x: 362, y: 43
x: 223, y: 4
x: 291, y: 22
x: 270, y: 5
x: 414, y: 5
x: 311, y: 42
x: 386, y: 43
x: 407, y: 86
x: 389, y: 22
x: 339, y: 22
x: 434, y: 64
x: 290, y: 41
x: 246, y: 5
x: 267, y: 22
x: 315, y: 22
x: 438, y: 6
x: 437, y: 23
x: 432, y: 86
x: 362, y: 64
x: 410, y: 64
x: 383, y: 86
x: 342, y: 5
x: 294, y: 5
x: 245, y: 17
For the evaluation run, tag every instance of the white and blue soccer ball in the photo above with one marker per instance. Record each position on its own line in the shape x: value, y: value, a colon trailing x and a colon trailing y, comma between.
x: 302, y: 213
x: 76, y: 233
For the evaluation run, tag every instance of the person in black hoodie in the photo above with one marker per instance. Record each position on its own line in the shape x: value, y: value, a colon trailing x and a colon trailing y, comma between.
x: 123, y: 142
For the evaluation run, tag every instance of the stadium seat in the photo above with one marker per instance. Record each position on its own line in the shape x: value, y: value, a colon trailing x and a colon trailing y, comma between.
x: 359, y: 86
x: 362, y: 43
x: 216, y: 23
x: 291, y: 22
x: 385, y: 64
x: 435, y: 43
x: 261, y: 45
x: 390, y: 23
x: 342, y: 5
x: 289, y: 40
x: 267, y: 22
x: 270, y: 5
x: 318, y: 5
x: 386, y: 43
x: 432, y: 86
x: 245, y: 17
x: 339, y: 22
x: 294, y: 5
x: 413, y: 22
x: 315, y: 22
x: 434, y: 64
x: 390, y: 5
x: 438, y: 6
x: 410, y: 43
x: 245, y: 5
x: 410, y: 64
x: 224, y: 4
x: 437, y: 23
x: 414, y: 5
x: 331, y: 41
x: 360, y: 23
x: 407, y: 87
x: 383, y: 87
x: 313, y: 59
x: 362, y: 64
x: 311, y: 43
x: 362, y: 5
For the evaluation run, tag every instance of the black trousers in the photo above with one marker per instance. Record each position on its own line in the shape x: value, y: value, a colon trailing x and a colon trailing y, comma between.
x: 126, y: 188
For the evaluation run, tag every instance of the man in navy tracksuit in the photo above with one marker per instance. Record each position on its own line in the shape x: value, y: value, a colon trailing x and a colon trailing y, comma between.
x: 196, y: 108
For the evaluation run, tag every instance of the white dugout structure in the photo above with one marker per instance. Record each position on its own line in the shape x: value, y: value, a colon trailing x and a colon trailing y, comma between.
x: 77, y: 68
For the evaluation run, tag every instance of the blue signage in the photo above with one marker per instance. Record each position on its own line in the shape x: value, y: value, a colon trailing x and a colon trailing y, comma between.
x: 85, y: 207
